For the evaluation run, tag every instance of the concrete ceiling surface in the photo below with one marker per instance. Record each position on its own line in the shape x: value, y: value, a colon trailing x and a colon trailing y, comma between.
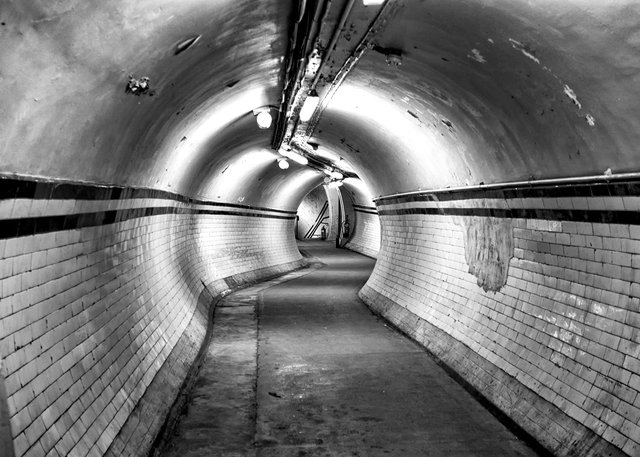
x: 488, y: 91
x: 493, y: 91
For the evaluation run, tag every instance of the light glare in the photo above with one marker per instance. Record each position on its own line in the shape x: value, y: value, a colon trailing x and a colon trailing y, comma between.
x: 309, y: 107
x: 264, y: 119
x: 302, y: 160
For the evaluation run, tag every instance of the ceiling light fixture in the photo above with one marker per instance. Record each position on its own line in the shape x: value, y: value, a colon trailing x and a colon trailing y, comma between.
x: 263, y: 117
x: 327, y: 155
x: 298, y: 158
x: 372, y: 2
x: 283, y: 164
x: 310, y: 105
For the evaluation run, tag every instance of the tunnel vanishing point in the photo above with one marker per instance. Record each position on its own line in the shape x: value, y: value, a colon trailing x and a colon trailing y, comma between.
x: 154, y: 155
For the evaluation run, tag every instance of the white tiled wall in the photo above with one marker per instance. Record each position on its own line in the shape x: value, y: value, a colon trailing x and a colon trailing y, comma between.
x: 88, y: 316
x: 366, y: 234
x: 566, y: 324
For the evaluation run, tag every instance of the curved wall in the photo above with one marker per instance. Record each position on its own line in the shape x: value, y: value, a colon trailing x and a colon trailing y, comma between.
x: 313, y: 213
x: 98, y: 286
x: 365, y: 223
x: 531, y: 295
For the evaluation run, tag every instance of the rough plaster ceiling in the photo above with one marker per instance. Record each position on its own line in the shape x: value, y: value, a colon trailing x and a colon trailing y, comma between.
x: 488, y: 91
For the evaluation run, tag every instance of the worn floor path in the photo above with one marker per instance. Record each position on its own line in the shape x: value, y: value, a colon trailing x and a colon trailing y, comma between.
x: 314, y: 373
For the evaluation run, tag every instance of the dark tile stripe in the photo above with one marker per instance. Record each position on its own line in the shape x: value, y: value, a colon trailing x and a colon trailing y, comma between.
x: 13, y: 228
x: 574, y: 215
x: 11, y: 188
x: 600, y: 188
x: 362, y: 207
x: 358, y: 210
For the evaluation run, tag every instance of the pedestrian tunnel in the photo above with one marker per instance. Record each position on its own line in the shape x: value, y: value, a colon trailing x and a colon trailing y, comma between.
x: 156, y: 155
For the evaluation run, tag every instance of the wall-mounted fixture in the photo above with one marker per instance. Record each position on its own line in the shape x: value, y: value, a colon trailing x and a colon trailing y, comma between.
x: 394, y: 59
x: 393, y: 56
x: 263, y: 117
x: 137, y: 86
x: 283, y: 164
x: 310, y: 105
x: 298, y: 158
x: 333, y: 174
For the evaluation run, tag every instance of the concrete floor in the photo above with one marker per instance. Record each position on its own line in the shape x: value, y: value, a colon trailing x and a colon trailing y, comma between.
x: 298, y: 366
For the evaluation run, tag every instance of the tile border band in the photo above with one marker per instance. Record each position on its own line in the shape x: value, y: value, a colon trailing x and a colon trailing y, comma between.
x: 28, y: 226
x: 572, y: 215
x: 23, y: 188
x: 365, y: 209
x: 623, y: 185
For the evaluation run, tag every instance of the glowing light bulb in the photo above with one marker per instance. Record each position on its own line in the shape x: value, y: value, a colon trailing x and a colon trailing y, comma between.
x: 264, y: 119
x: 298, y: 158
x: 309, y: 107
x: 283, y: 164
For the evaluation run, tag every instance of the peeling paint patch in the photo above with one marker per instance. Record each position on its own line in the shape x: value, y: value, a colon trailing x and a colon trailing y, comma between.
x: 590, y: 120
x: 475, y: 55
x: 572, y: 95
x: 488, y: 248
x: 524, y: 49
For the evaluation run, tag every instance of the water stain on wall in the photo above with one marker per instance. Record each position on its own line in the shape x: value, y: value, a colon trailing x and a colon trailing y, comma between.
x: 488, y: 248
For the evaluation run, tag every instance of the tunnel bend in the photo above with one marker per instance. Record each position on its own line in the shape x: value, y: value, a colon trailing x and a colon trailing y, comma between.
x: 501, y: 153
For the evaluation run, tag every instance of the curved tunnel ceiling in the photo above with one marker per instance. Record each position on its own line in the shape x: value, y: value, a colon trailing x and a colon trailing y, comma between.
x: 487, y: 91
x: 493, y: 91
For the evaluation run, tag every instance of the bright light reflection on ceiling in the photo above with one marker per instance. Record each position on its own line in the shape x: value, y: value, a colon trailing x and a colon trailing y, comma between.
x: 415, y: 143
x: 323, y: 152
x: 361, y: 189
x: 212, y: 118
x: 292, y: 190
x: 231, y: 179
x: 334, y: 157
x: 367, y: 105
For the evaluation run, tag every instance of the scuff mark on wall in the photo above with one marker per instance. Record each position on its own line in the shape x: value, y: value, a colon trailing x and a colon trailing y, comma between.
x: 488, y: 248
x: 524, y: 49
x: 590, y: 120
x: 572, y: 95
x: 475, y: 55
